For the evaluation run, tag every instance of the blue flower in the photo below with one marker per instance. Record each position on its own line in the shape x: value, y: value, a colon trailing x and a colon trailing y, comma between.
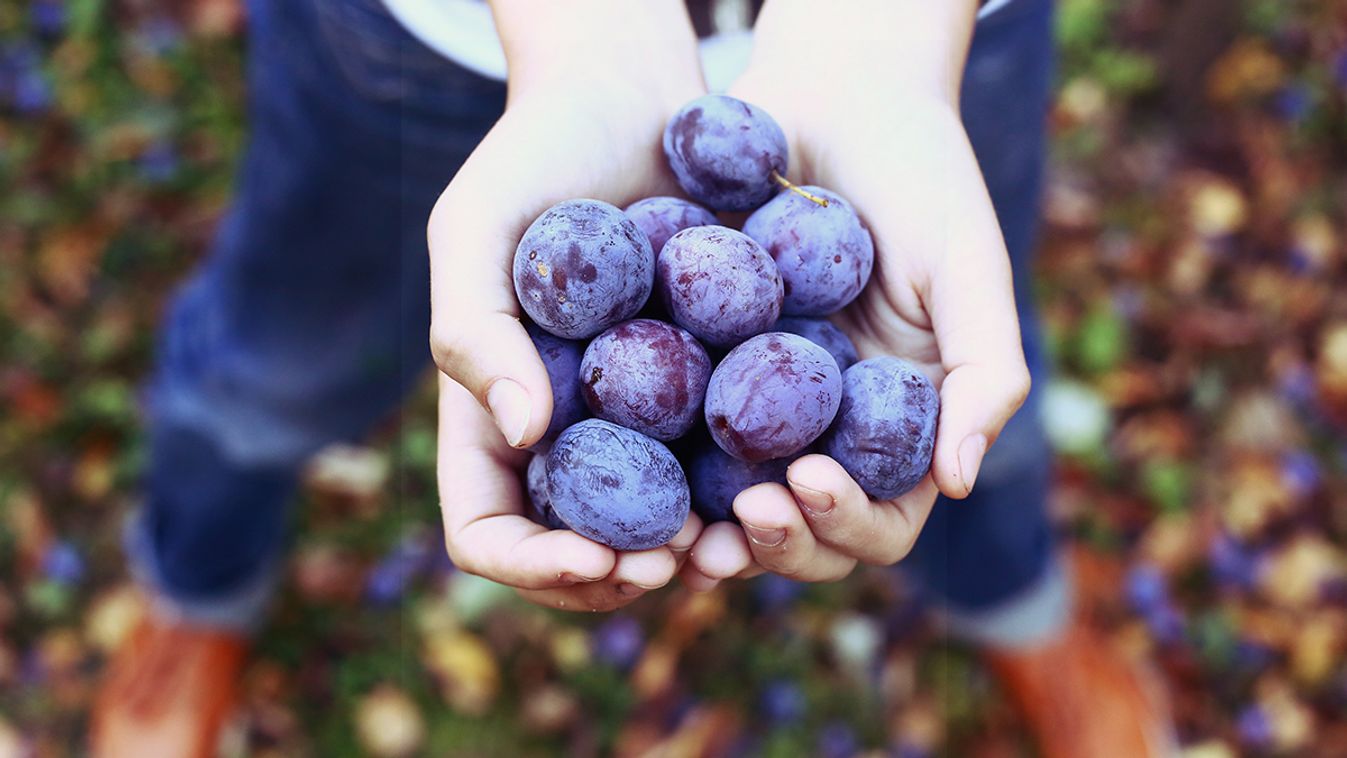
x: 63, y: 564
x: 837, y: 740
x: 48, y: 17
x: 159, y: 161
x: 782, y: 702
x: 618, y: 641
x: 1231, y: 563
x: 1254, y: 727
x: 1146, y: 588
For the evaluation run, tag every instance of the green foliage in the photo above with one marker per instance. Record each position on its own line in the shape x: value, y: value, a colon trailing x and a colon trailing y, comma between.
x: 1168, y: 484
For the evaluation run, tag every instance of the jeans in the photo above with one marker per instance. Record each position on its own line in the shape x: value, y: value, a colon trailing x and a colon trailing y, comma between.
x: 307, y: 322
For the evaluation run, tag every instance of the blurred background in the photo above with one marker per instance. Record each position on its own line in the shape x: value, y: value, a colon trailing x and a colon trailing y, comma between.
x: 1192, y: 278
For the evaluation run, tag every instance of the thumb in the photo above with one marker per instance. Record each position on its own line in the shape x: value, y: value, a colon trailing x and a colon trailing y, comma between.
x: 492, y: 356
x: 986, y: 379
x: 476, y: 337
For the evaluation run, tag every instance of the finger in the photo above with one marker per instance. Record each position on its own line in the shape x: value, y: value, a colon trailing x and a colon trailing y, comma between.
x: 643, y: 570
x: 979, y: 394
x: 974, y: 318
x: 486, y: 532
x: 781, y: 541
x: 476, y: 337
x: 599, y: 597
x: 475, y: 334
x: 682, y: 543
x: 840, y: 514
x: 721, y: 553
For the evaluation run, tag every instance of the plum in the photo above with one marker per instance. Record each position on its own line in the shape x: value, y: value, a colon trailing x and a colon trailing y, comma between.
x: 884, y: 434
x: 617, y: 486
x: 646, y: 375
x: 581, y: 267
x: 823, y: 333
x: 561, y: 357
x: 824, y: 252
x: 724, y: 152
x: 716, y: 478
x: 663, y: 217
x: 536, y: 479
x: 772, y: 396
x: 719, y: 284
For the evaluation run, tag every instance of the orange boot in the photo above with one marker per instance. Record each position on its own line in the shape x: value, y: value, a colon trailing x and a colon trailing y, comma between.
x: 1081, y: 698
x: 168, y: 691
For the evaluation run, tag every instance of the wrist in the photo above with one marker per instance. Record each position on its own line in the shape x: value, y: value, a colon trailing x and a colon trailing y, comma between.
x: 866, y: 49
x: 646, y: 51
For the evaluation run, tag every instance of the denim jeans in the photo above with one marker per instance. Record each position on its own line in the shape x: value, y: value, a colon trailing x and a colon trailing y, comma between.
x: 307, y: 322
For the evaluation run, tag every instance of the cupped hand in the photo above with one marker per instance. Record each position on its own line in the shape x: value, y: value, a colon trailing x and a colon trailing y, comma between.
x: 940, y: 296
x: 560, y: 138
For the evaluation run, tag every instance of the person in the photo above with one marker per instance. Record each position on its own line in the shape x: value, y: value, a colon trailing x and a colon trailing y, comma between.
x: 306, y: 323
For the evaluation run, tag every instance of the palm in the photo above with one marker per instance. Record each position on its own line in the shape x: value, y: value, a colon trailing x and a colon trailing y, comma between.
x: 545, y: 150
x: 939, y: 296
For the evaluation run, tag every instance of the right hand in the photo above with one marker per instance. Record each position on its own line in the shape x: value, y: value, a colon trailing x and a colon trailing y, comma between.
x: 581, y: 128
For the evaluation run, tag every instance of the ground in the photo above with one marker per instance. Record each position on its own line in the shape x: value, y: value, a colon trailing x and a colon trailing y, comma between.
x: 1193, y: 284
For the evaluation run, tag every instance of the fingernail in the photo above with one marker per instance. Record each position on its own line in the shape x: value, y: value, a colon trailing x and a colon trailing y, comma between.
x: 971, y: 451
x: 510, y: 407
x: 765, y: 537
x: 577, y: 579
x: 627, y: 589
x: 816, y: 502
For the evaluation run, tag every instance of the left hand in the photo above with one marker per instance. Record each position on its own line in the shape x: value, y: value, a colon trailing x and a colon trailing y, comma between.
x: 940, y: 296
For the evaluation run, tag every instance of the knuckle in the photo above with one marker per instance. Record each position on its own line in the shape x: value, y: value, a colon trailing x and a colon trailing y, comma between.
x: 446, y: 346
x: 895, y: 551
x: 462, y: 556
x: 842, y: 572
x: 1019, y: 385
x: 788, y: 567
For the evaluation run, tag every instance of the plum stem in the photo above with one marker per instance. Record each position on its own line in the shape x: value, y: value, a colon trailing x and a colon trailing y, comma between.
x: 784, y: 182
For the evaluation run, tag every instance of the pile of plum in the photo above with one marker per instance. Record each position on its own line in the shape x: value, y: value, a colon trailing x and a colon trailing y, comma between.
x: 732, y: 363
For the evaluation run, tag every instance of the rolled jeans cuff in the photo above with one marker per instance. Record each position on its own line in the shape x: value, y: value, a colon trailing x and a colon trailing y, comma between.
x: 1034, y: 615
x: 240, y: 609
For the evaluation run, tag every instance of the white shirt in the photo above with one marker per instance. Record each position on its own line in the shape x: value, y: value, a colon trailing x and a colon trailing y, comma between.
x: 464, y: 32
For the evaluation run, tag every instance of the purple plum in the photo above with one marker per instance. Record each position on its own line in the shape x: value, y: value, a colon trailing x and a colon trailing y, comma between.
x: 724, y: 151
x: 772, y: 396
x: 825, y: 253
x: 884, y: 435
x: 823, y: 333
x: 617, y: 486
x: 719, y: 284
x: 646, y: 375
x: 536, y: 479
x: 561, y: 357
x: 581, y: 267
x: 716, y: 478
x: 663, y: 217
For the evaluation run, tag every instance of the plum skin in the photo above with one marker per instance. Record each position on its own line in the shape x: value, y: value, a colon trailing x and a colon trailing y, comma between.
x: 617, y: 486
x: 823, y: 333
x: 719, y: 284
x: 772, y: 396
x: 646, y: 375
x: 536, y: 480
x: 884, y: 434
x: 825, y: 254
x: 561, y: 358
x: 716, y: 478
x: 662, y: 217
x: 581, y: 267
x: 723, y: 151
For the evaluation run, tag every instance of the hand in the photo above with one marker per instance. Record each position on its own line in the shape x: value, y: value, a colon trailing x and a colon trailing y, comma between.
x: 577, y: 125
x: 940, y: 296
